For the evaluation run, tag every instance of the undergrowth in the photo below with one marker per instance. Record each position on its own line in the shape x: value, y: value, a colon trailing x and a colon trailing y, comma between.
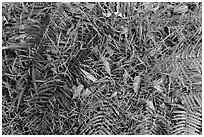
x: 101, y: 68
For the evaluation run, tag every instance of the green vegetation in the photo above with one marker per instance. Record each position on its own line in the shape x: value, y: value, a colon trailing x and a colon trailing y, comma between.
x: 101, y: 68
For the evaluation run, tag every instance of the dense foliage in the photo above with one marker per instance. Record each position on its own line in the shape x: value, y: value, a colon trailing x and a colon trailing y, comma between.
x: 101, y: 68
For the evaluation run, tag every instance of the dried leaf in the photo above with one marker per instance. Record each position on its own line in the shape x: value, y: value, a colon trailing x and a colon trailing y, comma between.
x: 136, y: 83
x: 181, y: 9
x: 118, y: 14
x: 125, y: 76
x: 88, y: 75
x: 103, y: 79
x: 86, y: 93
x: 90, y: 6
x: 106, y: 64
x: 21, y: 27
x: 20, y: 95
x: 114, y: 94
x: 110, y: 51
x: 151, y: 6
x: 124, y: 30
x: 74, y: 87
x: 22, y: 36
x: 78, y: 91
x: 150, y: 104
x: 157, y: 85
x: 107, y: 14
x: 62, y: 116
x: 155, y: 6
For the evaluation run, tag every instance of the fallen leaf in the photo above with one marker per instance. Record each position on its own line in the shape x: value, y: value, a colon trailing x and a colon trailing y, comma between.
x: 106, y: 64
x: 158, y: 85
x: 78, y: 91
x: 22, y: 36
x: 108, y: 14
x: 155, y: 6
x: 103, y: 79
x: 150, y: 104
x: 110, y: 51
x: 118, y: 14
x: 136, y: 83
x: 88, y: 75
x: 86, y: 93
x: 74, y: 87
x: 181, y: 9
x: 125, y: 75
x: 114, y: 94
x: 124, y: 30
x: 90, y: 6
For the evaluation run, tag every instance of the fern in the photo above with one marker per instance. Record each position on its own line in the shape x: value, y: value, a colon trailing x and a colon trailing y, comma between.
x: 151, y: 122
x: 188, y: 116
x: 103, y: 68
x: 100, y: 124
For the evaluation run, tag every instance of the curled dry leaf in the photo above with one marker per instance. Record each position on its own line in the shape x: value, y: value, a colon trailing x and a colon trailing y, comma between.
x: 88, y: 75
x: 77, y: 91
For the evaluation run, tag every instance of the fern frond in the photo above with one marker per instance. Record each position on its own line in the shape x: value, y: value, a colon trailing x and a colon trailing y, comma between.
x: 192, y: 101
x: 187, y: 122
x: 99, y: 124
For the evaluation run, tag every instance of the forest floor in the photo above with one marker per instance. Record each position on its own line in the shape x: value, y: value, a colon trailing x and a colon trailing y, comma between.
x: 101, y: 68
